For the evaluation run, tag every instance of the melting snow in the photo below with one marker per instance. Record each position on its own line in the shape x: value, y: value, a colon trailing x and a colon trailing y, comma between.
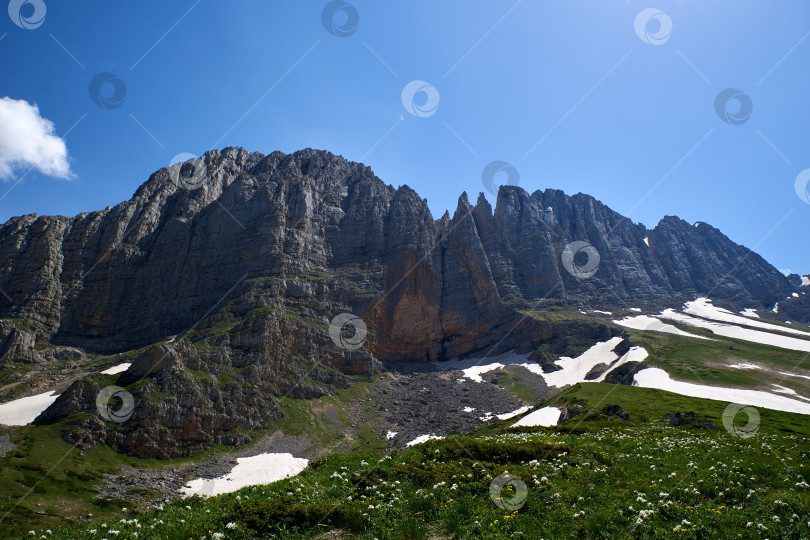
x: 732, y: 331
x: 702, y: 307
x: 547, y: 416
x: 249, y: 471
x: 635, y: 354
x: 116, y: 369
x: 423, y: 438
x: 473, y: 368
x: 744, y: 365
x: 658, y: 378
x: 645, y: 322
x: 574, y: 369
x: 783, y: 389
x: 23, y: 411
x: 505, y: 416
x: 749, y: 312
x: 794, y: 375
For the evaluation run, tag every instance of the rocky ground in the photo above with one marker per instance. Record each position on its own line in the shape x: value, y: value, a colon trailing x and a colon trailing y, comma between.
x: 412, y: 399
x: 6, y: 446
x: 421, y: 399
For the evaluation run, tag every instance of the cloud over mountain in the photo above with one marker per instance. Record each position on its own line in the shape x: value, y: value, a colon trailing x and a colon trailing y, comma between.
x: 27, y: 140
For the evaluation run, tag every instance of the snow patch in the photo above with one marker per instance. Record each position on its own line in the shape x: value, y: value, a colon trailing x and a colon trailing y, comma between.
x: 795, y: 295
x: 636, y: 309
x: 750, y: 312
x: 647, y: 240
x: 635, y: 354
x: 737, y: 332
x: 574, y: 369
x: 390, y: 435
x: 249, y: 471
x: 116, y: 369
x: 660, y: 379
x: 423, y: 438
x: 473, y: 368
x: 805, y: 281
x: 23, y: 411
x: 702, y: 307
x: 602, y: 312
x: 468, y: 409
x: 794, y: 375
x: 652, y: 324
x: 783, y: 389
x: 744, y: 365
x: 545, y: 417
x: 505, y: 416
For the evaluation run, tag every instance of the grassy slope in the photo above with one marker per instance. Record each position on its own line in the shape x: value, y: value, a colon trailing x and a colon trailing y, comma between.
x: 46, y: 482
x: 706, y: 362
x: 68, y: 488
x: 586, y: 479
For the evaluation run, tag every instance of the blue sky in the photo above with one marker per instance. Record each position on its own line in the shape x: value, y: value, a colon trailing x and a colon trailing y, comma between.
x: 566, y: 92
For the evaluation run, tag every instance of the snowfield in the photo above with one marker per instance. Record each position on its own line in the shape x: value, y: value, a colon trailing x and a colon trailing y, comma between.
x: 737, y: 332
x: 473, y: 368
x: 423, y: 438
x: 660, y: 379
x: 545, y: 417
x: 505, y: 416
x: 116, y: 369
x: 635, y: 354
x: 23, y: 411
x: 702, y: 307
x: 653, y: 324
x: 574, y: 369
x: 249, y: 471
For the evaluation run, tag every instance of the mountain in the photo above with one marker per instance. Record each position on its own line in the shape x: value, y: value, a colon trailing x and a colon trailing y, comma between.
x: 235, y: 281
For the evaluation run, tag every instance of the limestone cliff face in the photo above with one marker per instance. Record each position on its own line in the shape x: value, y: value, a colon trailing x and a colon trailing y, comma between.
x: 228, y: 289
x: 150, y: 267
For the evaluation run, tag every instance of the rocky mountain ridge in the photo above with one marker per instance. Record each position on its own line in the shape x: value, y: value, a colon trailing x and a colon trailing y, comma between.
x: 145, y: 269
x: 220, y: 295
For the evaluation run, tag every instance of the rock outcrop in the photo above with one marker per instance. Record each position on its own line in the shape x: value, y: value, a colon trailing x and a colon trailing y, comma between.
x: 229, y: 288
x: 149, y: 268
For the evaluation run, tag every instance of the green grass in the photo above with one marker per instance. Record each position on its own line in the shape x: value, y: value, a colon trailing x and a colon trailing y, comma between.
x: 515, y: 383
x: 706, y: 362
x: 586, y: 479
x: 720, y: 483
x: 46, y: 480
x: 22, y: 324
x: 648, y: 405
x: 551, y: 312
x: 312, y: 322
x: 215, y: 330
x: 325, y: 421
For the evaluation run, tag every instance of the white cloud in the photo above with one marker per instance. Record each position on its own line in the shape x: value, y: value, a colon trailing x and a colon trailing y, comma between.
x: 27, y: 140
